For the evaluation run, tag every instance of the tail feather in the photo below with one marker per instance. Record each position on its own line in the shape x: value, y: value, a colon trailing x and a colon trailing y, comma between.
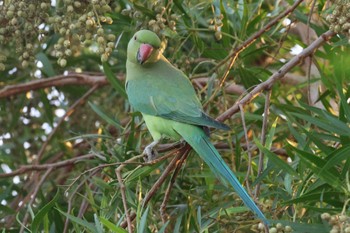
x: 202, y: 145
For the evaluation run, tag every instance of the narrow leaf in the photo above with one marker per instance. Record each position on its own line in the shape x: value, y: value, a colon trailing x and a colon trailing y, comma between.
x: 98, y: 224
x: 143, y: 222
x: 276, y: 160
x: 113, y: 80
x: 47, y: 66
x: 104, y: 116
x: 91, y: 227
x: 111, y: 226
x: 42, y: 213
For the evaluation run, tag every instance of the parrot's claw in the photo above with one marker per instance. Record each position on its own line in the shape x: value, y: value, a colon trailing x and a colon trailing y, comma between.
x: 149, y: 153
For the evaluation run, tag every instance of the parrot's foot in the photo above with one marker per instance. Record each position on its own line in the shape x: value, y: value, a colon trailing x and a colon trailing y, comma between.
x: 149, y: 153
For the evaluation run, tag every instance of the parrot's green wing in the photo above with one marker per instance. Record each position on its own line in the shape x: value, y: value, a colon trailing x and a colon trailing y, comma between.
x: 172, y: 96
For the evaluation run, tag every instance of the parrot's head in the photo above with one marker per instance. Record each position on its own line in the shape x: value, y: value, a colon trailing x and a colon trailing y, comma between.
x: 144, y: 47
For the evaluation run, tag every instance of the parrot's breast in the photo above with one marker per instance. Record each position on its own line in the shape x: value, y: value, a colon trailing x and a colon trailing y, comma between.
x: 160, y: 127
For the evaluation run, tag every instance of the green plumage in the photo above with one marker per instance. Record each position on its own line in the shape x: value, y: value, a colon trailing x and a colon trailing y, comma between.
x: 170, y: 107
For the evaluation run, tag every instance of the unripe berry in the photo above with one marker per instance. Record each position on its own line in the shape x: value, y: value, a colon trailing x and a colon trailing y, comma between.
x: 25, y: 63
x: 25, y: 55
x: 89, y: 22
x: 100, y: 40
x: 63, y: 62
x: 66, y: 43
x: 100, y: 31
x: 70, y: 9
x: 110, y: 45
x: 289, y: 229
x: 2, y: 67
x: 218, y: 35
x: 111, y: 37
x: 68, y: 52
x: 77, y: 4
x: 104, y: 57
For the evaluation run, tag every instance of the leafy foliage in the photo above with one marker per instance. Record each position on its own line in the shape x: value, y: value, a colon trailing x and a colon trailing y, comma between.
x: 306, y: 143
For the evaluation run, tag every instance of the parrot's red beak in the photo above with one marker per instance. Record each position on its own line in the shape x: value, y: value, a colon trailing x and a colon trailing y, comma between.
x: 144, y: 53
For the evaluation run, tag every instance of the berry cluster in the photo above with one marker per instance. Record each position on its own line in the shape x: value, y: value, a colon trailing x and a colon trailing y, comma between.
x: 77, y: 23
x: 339, y: 223
x: 279, y: 228
x: 80, y: 23
x: 21, y: 26
x: 339, y: 19
x: 215, y: 25
x: 162, y: 19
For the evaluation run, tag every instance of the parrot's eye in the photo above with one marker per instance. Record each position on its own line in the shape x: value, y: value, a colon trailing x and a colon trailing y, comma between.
x: 135, y: 38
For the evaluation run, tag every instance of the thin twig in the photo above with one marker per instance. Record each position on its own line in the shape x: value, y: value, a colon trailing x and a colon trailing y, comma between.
x: 277, y: 75
x: 252, y: 38
x: 162, y: 178
x: 249, y: 168
x: 56, y: 81
x: 309, y: 59
x: 159, y: 182
x: 69, y: 209
x: 40, y: 167
x: 33, y: 197
x: 122, y: 190
x: 171, y: 183
x: 231, y: 58
x: 263, y: 139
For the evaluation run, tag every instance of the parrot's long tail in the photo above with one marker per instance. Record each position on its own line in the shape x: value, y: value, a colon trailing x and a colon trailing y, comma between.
x: 200, y: 142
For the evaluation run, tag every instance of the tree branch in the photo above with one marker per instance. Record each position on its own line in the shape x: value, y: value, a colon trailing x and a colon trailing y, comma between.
x: 39, y: 167
x: 277, y: 75
x: 236, y: 51
x: 60, y: 80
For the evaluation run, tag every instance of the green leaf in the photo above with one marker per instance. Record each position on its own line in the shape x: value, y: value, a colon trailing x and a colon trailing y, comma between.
x: 163, y: 228
x: 37, y: 221
x: 313, y: 197
x: 199, y: 216
x: 144, y: 10
x: 142, y: 172
x: 47, y: 66
x: 116, y: 83
x: 337, y: 157
x: 6, y: 209
x: 325, y: 121
x: 316, y: 164
x: 276, y: 160
x: 105, y: 117
x: 178, y: 223
x: 271, y: 134
x: 91, y: 227
x: 98, y: 224
x: 111, y: 226
x: 91, y: 136
x: 143, y: 223
x: 233, y: 210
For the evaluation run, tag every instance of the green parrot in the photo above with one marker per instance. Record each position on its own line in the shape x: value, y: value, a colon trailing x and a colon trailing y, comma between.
x: 170, y: 107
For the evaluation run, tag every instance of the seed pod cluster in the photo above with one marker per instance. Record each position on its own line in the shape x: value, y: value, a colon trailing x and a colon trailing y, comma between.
x: 215, y: 25
x: 339, y: 223
x: 77, y: 23
x: 278, y: 228
x: 162, y: 19
x: 339, y: 19
x: 80, y: 24
x: 21, y: 28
